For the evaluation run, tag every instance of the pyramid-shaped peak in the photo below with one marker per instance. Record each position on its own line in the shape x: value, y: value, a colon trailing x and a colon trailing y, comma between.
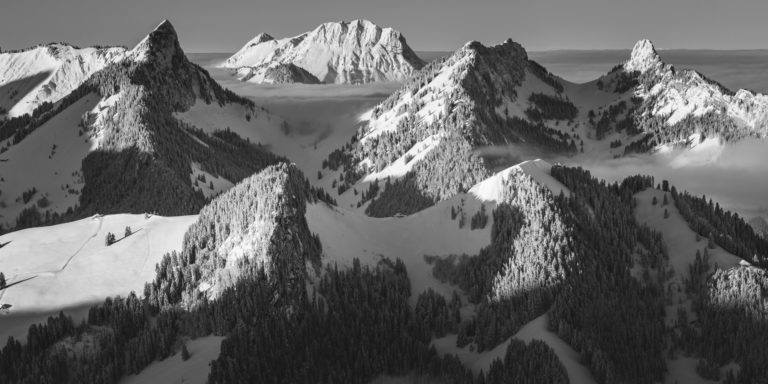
x: 643, y: 57
x: 163, y: 34
x: 262, y: 37
x: 165, y: 26
x: 161, y: 44
x: 644, y: 47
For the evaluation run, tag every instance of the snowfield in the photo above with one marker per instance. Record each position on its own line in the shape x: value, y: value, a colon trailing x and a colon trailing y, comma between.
x: 70, y: 264
x: 254, y: 125
x: 210, y: 185
x: 49, y: 160
x: 678, y: 236
x: 346, y: 235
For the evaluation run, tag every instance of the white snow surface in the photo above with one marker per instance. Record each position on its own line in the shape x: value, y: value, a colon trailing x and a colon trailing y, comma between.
x: 47, y: 73
x: 212, y: 117
x: 405, y: 163
x: 339, y: 52
x: 70, y: 264
x: 220, y: 184
x: 346, y: 235
x: 678, y: 236
x: 174, y: 370
x: 492, y: 189
x: 435, y: 93
x: 55, y: 172
x: 98, y: 117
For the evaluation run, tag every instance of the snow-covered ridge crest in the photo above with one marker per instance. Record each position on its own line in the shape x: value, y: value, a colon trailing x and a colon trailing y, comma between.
x: 452, y: 82
x: 676, y: 94
x: 493, y: 189
x: 357, y: 51
x: 47, y: 73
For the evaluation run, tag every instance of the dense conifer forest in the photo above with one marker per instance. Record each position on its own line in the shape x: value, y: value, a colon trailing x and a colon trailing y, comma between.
x: 569, y: 256
x: 355, y: 325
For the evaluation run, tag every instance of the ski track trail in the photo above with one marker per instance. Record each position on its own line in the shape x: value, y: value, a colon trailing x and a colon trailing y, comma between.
x: 66, y: 263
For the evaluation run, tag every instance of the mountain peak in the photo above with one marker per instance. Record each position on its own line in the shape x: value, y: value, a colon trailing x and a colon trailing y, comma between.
x: 356, y: 51
x: 340, y: 30
x: 262, y: 37
x: 363, y: 22
x: 356, y: 23
x: 165, y: 25
x: 643, y: 57
x: 509, y: 48
x: 161, y: 44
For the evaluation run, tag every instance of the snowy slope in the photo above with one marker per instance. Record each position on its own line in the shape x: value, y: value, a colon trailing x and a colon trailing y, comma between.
x: 70, y: 264
x: 679, y: 237
x: 492, y: 189
x: 339, y: 52
x: 346, y: 235
x: 682, y: 245
x: 47, y: 73
x: 255, y: 124
x: 451, y: 81
x: 436, y: 127
x: 175, y: 370
x: 49, y: 160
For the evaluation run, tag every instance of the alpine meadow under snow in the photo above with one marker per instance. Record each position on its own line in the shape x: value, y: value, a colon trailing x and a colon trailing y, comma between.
x: 329, y: 208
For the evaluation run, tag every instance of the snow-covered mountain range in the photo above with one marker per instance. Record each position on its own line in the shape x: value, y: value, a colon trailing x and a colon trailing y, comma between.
x: 152, y: 112
x: 433, y: 134
x: 352, y: 52
x: 433, y: 257
x: 47, y: 73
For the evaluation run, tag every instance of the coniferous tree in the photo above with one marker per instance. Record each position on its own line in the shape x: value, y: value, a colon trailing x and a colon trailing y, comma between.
x: 110, y: 239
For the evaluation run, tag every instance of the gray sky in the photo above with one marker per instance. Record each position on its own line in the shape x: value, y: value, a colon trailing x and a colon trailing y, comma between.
x: 225, y: 25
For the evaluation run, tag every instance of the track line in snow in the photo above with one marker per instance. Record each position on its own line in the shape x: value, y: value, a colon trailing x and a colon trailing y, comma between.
x: 55, y: 271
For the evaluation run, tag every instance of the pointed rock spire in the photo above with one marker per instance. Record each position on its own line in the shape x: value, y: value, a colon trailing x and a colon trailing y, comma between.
x: 643, y: 57
x: 160, y: 45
